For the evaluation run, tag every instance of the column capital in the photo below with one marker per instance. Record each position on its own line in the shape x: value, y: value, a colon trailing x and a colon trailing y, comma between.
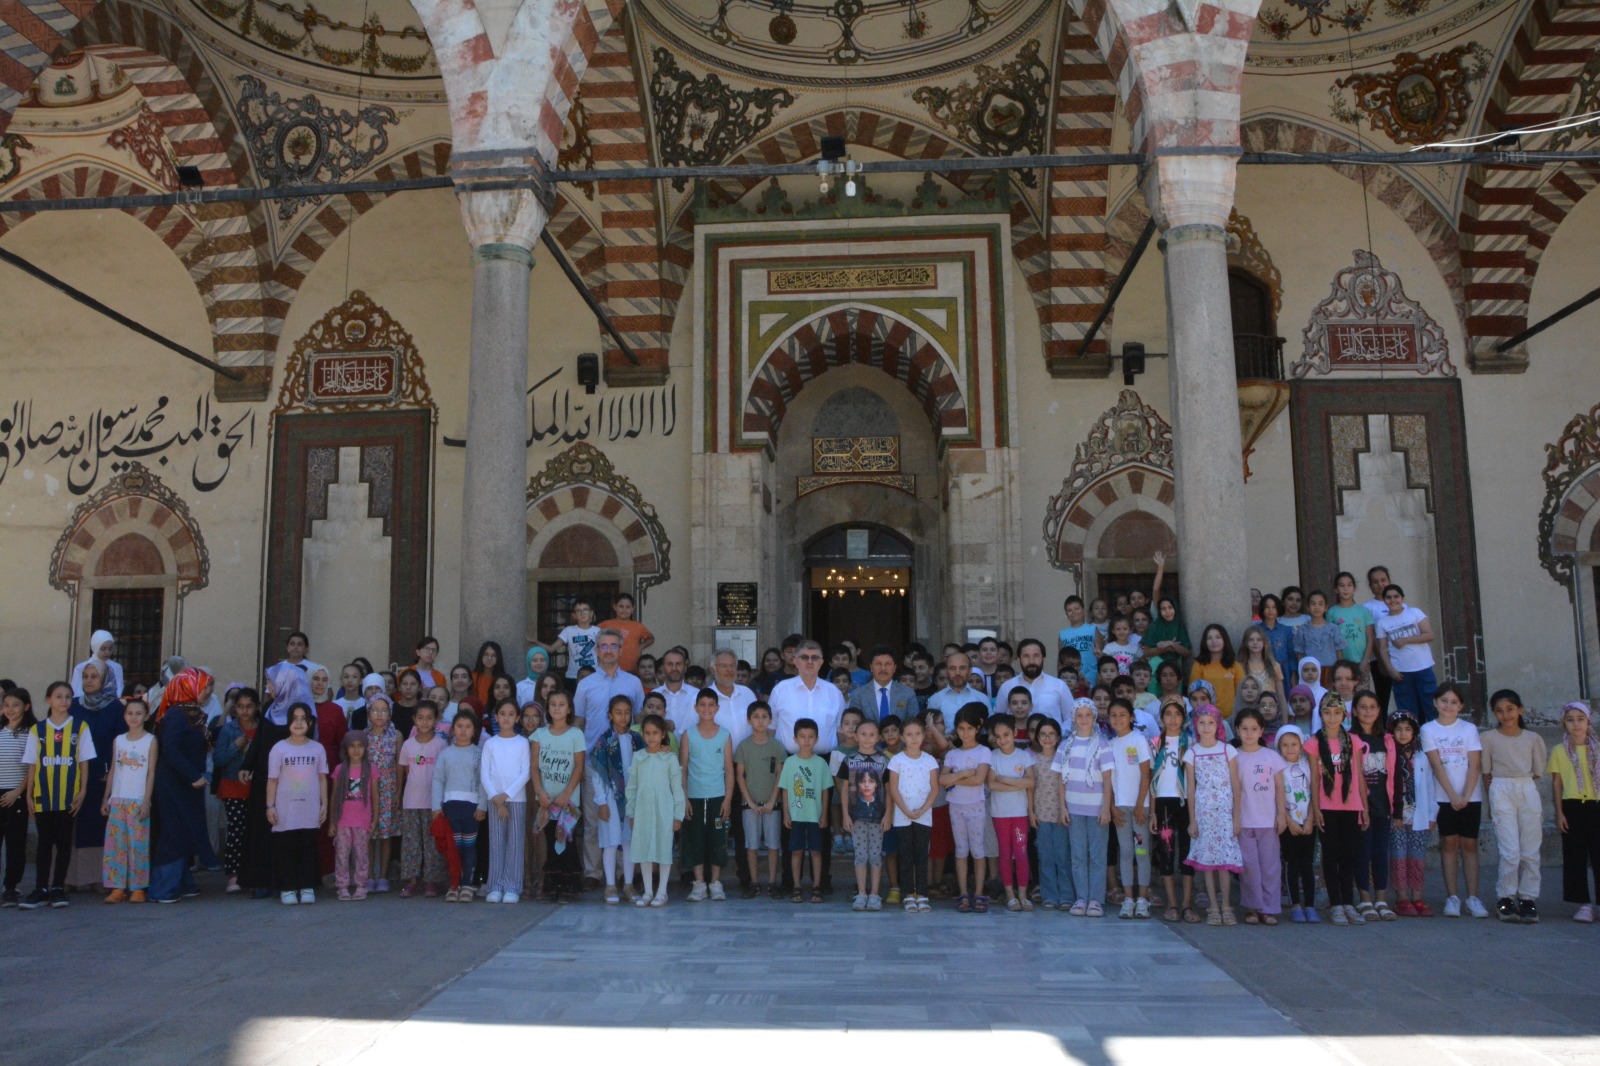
x: 505, y: 201
x: 1191, y: 195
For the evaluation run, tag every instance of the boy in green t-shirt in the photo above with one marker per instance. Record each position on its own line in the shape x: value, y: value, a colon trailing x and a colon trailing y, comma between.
x: 757, y: 762
x: 805, y: 782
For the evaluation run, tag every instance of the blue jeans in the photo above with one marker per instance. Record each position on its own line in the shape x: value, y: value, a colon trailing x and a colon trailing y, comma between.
x: 1088, y: 847
x: 172, y: 880
x: 1414, y: 693
x: 1055, y: 863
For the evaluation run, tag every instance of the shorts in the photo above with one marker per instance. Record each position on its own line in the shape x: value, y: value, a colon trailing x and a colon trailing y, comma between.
x: 969, y: 827
x: 805, y: 836
x: 890, y: 844
x: 762, y: 830
x: 1462, y: 823
x: 867, y: 838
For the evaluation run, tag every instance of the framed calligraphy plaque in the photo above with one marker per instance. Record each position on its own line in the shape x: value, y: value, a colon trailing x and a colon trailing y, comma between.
x: 342, y: 377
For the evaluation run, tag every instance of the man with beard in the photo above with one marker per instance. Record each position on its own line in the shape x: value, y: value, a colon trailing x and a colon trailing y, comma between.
x: 1050, y: 695
x: 882, y: 695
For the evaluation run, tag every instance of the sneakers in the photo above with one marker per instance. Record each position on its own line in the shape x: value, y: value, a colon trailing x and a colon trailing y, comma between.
x: 1141, y: 909
x: 11, y: 898
x: 859, y: 903
x: 58, y: 898
x: 718, y: 894
x: 1127, y: 908
x: 494, y: 897
x: 510, y: 897
x: 1505, y: 909
x: 1528, y: 911
x: 308, y: 896
x: 288, y: 899
x: 1452, y: 907
x: 874, y: 903
x: 1297, y: 915
x: 1341, y: 914
x: 698, y: 892
x: 1584, y: 914
x: 893, y: 898
x: 451, y: 895
x: 1476, y: 908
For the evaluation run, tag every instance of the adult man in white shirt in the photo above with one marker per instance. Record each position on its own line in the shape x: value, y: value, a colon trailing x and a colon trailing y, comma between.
x: 958, y: 692
x: 1050, y: 694
x: 807, y: 695
x: 882, y: 695
x: 592, y: 707
x: 679, y: 697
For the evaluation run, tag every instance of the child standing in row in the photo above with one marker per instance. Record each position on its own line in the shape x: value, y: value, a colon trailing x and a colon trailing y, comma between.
x: 505, y: 770
x: 706, y: 755
x: 420, y: 862
x: 1261, y: 820
x: 1340, y: 805
x: 806, y: 782
x: 966, y: 771
x: 1010, y: 790
x: 756, y: 764
x: 1084, y: 763
x: 610, y: 764
x: 458, y: 796
x: 1413, y: 817
x: 1574, y: 779
x: 1455, y: 753
x: 557, y: 753
x: 865, y: 810
x: 1213, y: 811
x: 1513, y: 759
x: 655, y: 800
x: 1297, y: 843
x: 127, y: 806
x: 16, y: 722
x: 1047, y: 814
x: 297, y: 804
x: 1169, y: 811
x: 1377, y: 768
x: 351, y: 814
x: 383, y: 748
x: 1130, y: 797
x: 913, y: 784
x: 55, y: 754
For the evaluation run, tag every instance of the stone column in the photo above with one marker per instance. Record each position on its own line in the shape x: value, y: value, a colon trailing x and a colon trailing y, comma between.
x: 503, y: 225
x: 1191, y: 197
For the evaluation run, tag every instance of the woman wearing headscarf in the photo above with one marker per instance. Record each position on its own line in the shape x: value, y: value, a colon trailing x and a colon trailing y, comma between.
x: 538, y: 666
x: 287, y: 685
x: 101, y: 646
x: 171, y: 668
x: 98, y: 708
x: 180, y: 789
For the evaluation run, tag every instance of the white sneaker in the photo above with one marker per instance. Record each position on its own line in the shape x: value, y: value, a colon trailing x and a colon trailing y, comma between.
x: 288, y: 899
x: 698, y: 892
x: 859, y: 903
x: 494, y: 897
x: 717, y: 893
x: 1128, y: 906
x: 1476, y: 908
x: 308, y: 895
x: 874, y: 903
x: 510, y: 897
x: 1452, y: 907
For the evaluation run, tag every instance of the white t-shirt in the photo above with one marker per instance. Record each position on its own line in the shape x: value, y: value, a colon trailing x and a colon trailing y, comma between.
x: 580, y: 647
x: 1127, y: 755
x: 914, y: 784
x: 1454, y: 743
x: 1051, y: 697
x: 1125, y: 654
x: 1407, y: 623
x: 1164, y: 785
x: 131, y: 758
x: 1017, y: 764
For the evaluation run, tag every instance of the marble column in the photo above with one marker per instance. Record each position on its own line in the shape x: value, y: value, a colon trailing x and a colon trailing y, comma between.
x: 503, y: 226
x: 1192, y: 197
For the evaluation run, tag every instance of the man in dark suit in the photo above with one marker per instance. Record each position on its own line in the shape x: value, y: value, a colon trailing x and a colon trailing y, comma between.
x: 883, y: 695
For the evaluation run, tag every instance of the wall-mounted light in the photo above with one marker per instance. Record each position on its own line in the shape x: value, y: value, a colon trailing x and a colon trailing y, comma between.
x: 589, y: 371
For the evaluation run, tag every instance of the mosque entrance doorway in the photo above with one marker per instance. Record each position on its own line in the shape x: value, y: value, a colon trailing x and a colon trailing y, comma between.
x: 859, y: 588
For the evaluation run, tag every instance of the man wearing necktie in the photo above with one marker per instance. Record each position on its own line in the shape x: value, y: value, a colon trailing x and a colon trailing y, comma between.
x: 883, y: 696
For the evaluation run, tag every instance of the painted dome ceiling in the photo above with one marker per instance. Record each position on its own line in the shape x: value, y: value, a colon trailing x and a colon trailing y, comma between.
x: 380, y: 39
x: 1307, y: 33
x: 832, y: 41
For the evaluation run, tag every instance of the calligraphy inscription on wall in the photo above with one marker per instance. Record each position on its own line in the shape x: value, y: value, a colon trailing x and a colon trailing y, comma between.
x: 851, y: 279
x: 338, y: 377
x: 560, y: 414
x: 84, y: 445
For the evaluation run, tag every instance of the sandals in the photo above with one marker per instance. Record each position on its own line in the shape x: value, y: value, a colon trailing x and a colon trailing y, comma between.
x: 1171, y: 915
x: 1385, y: 913
x: 980, y: 904
x: 1094, y: 909
x: 1213, y: 917
x: 816, y: 897
x: 798, y: 897
x: 964, y: 903
x: 1269, y: 919
x: 1191, y: 916
x: 1252, y: 918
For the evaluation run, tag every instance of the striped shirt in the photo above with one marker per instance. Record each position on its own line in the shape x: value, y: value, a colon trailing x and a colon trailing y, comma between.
x: 1082, y: 762
x: 12, y: 744
x: 60, y: 752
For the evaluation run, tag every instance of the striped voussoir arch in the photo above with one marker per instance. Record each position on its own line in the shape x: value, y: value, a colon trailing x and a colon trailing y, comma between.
x: 128, y: 511
x: 591, y: 21
x: 175, y: 226
x: 864, y: 336
x: 600, y: 504
x: 1074, y: 283
x: 1506, y: 219
x: 1082, y: 521
x: 30, y: 33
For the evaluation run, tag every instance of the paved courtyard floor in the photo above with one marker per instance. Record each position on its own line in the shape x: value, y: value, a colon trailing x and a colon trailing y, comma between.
x: 226, y: 980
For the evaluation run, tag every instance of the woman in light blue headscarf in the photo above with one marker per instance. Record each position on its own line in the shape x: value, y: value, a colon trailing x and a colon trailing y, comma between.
x: 538, y: 666
x: 288, y: 685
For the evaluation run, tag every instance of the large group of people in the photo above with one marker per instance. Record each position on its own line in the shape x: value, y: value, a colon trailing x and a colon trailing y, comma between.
x: 1147, y: 774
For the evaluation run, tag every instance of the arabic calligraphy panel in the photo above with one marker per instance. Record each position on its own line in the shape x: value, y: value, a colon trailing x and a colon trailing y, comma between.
x: 334, y: 377
x: 1367, y: 323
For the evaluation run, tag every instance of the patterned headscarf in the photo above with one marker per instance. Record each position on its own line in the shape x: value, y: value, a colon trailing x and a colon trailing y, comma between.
x: 1405, y: 789
x: 289, y: 687
x: 183, y: 690
x: 1592, y: 745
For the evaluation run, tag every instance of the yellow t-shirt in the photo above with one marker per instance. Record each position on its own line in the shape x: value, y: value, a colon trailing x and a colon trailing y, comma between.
x: 1561, y: 766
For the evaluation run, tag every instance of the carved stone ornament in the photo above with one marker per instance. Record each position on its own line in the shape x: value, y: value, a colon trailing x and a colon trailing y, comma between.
x: 145, y: 138
x: 1128, y: 434
x: 1582, y: 100
x: 302, y: 141
x: 704, y: 120
x: 1417, y: 101
x: 1003, y: 112
x: 136, y: 500
x: 1368, y: 323
x: 855, y: 460
x: 356, y: 358
x: 584, y: 465
x: 1573, y: 459
x: 12, y: 145
x: 1246, y: 251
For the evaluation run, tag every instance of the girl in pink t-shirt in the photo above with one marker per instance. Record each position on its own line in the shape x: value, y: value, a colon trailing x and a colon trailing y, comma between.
x: 1339, y: 800
x: 1261, y: 819
x: 351, y: 814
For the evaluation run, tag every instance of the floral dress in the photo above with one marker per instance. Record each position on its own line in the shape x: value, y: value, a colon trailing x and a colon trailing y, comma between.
x: 1214, y: 847
x: 385, y: 753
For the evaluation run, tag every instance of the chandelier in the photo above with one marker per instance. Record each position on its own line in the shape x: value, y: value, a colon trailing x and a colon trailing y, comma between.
x: 916, y: 21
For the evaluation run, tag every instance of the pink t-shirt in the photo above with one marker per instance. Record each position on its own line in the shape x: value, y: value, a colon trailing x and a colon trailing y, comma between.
x: 966, y: 759
x: 1331, y: 795
x: 357, y: 810
x: 419, y: 759
x: 1258, y: 769
x: 296, y: 768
